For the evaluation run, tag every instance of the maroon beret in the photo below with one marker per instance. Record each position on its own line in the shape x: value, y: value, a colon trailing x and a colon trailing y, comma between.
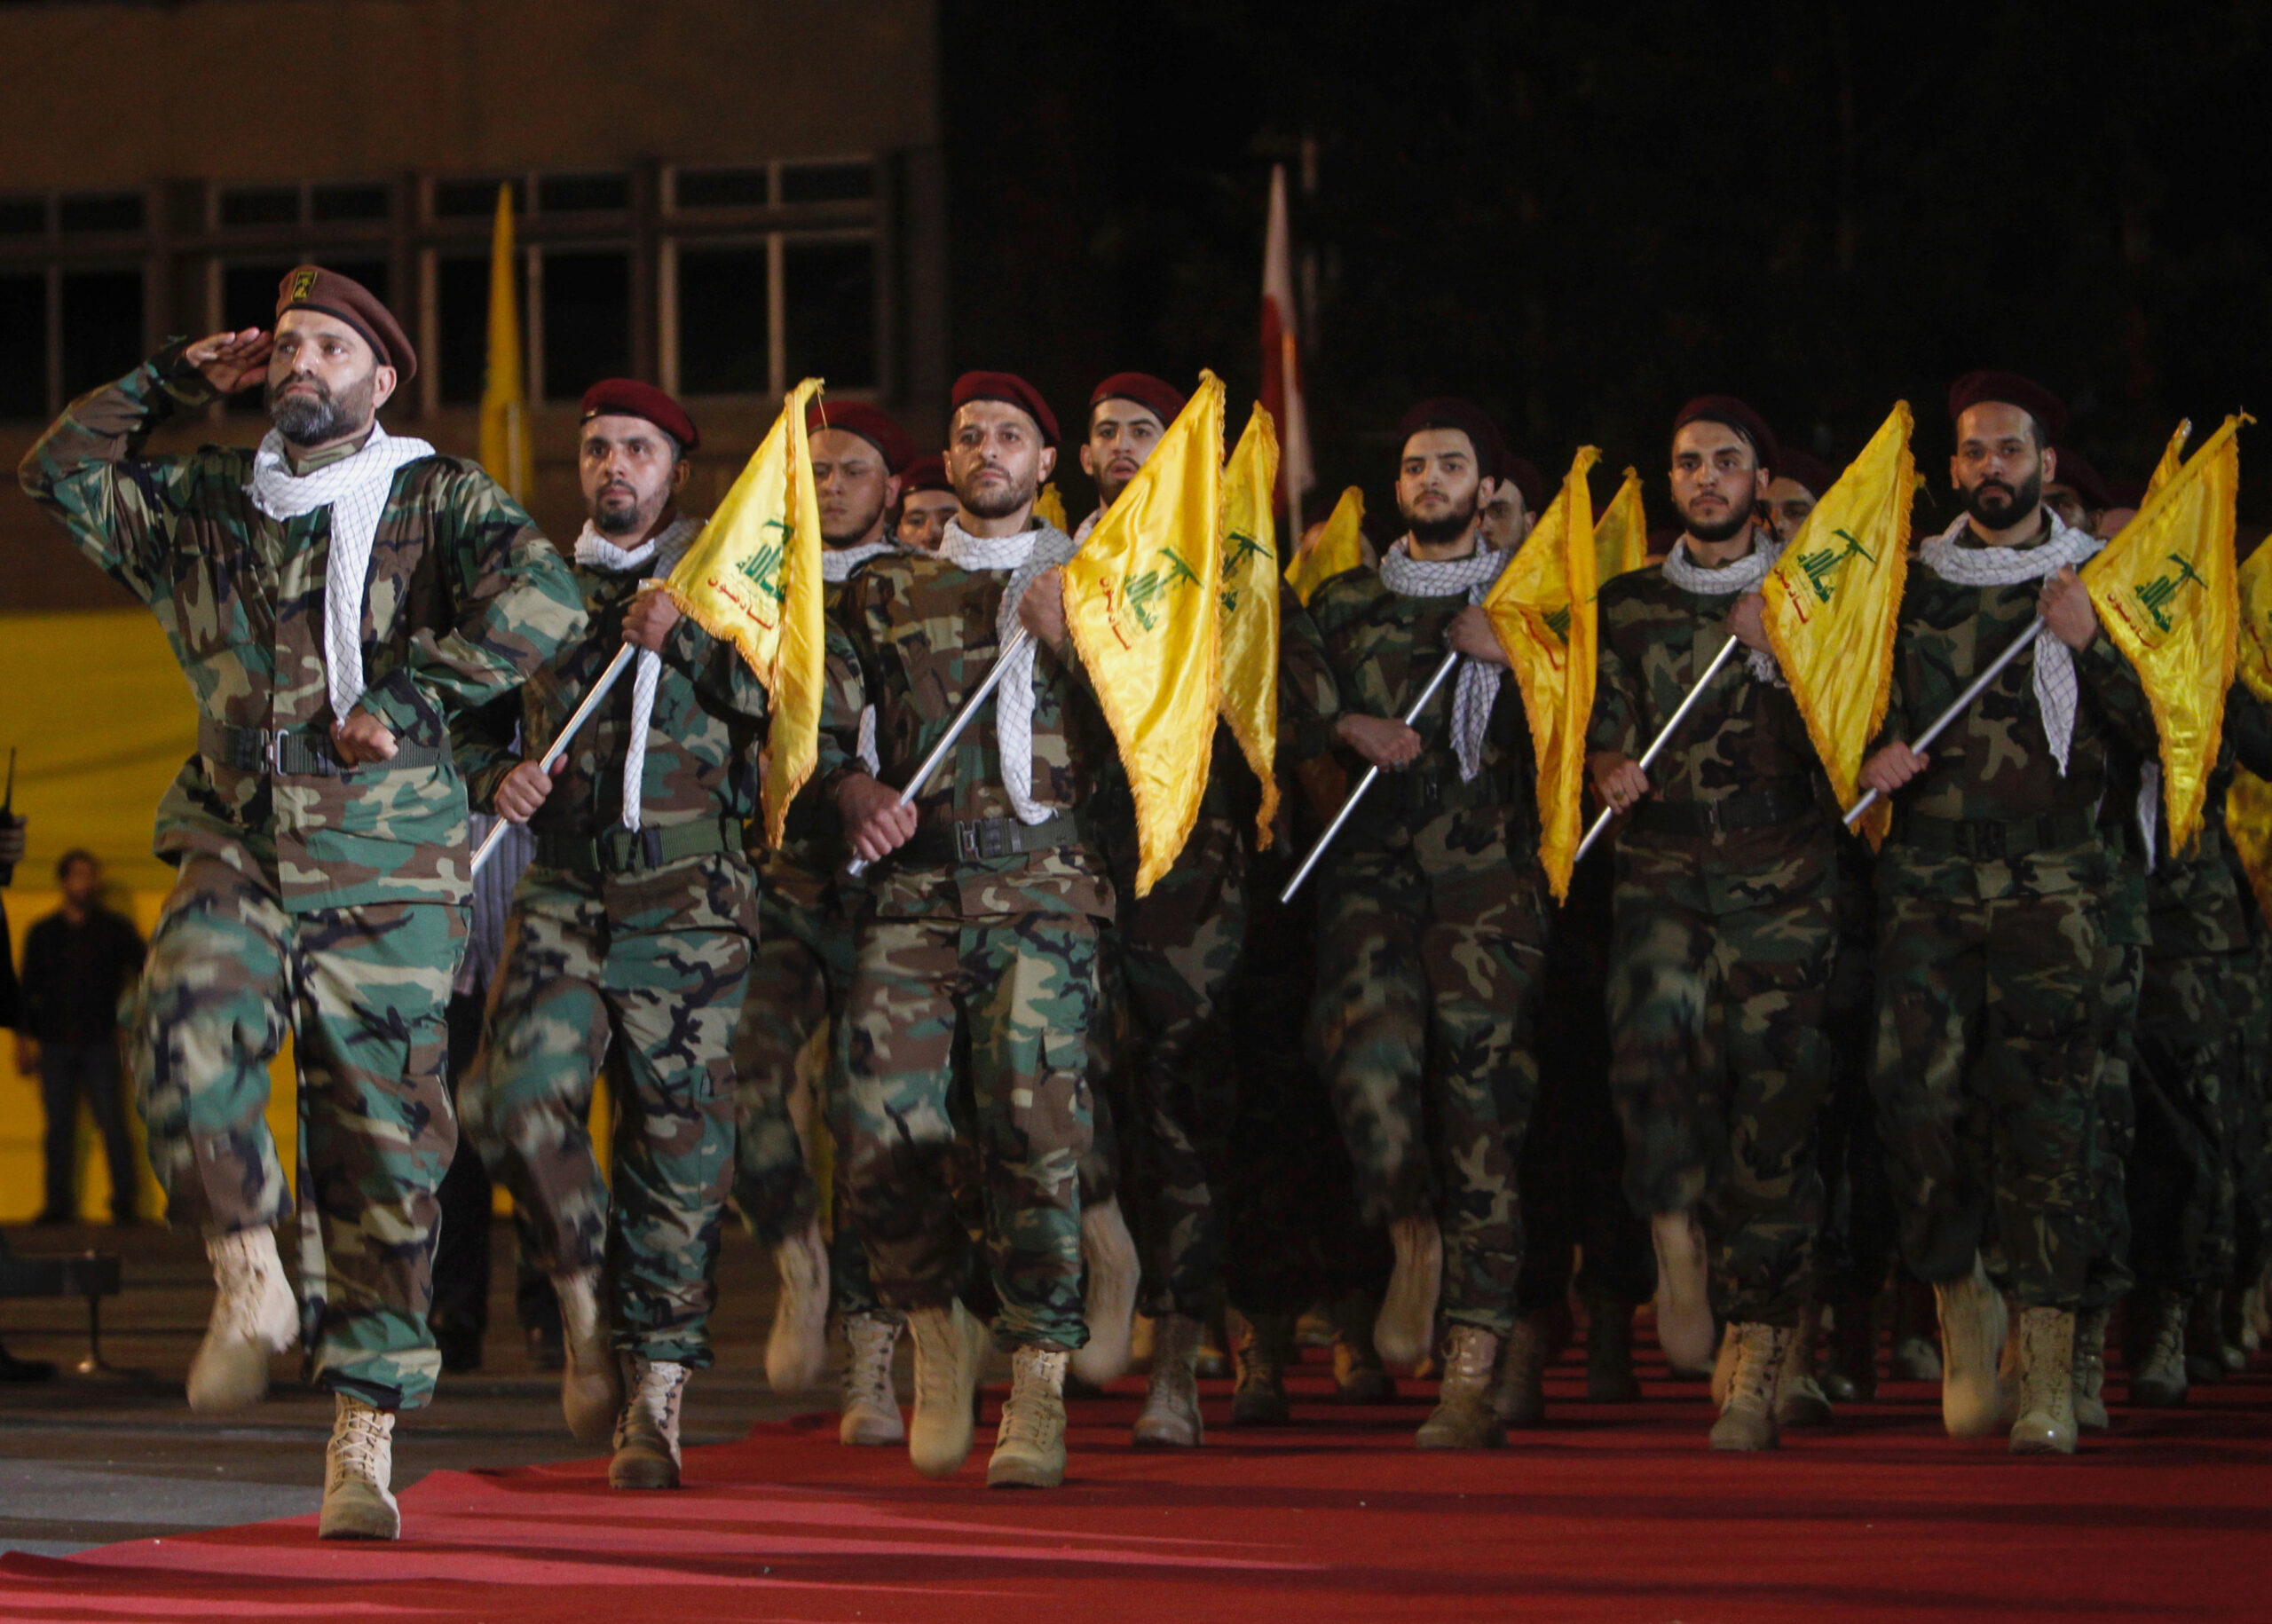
x: 926, y: 474
x: 313, y: 288
x: 871, y: 424
x: 1156, y: 396
x: 629, y: 397
x: 1729, y: 410
x: 1011, y: 389
x: 2008, y: 387
x: 2077, y: 474
x: 1805, y: 469
x: 1526, y: 479
x: 1452, y: 411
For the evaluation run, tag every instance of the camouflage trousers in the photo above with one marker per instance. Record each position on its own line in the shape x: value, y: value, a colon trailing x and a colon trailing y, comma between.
x: 1720, y: 1061
x: 362, y: 991
x: 2180, y: 1174
x: 1990, y: 979
x: 2248, y: 1132
x: 643, y: 974
x: 2113, y: 1143
x: 996, y: 1009
x: 1430, y: 954
x: 1180, y: 948
x: 1860, y: 1234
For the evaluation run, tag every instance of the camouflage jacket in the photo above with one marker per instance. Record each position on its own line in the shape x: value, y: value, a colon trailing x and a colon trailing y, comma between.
x: 919, y: 634
x: 1744, y: 740
x: 1994, y: 763
x: 1379, y: 648
x: 807, y: 869
x: 2199, y: 901
x: 465, y: 601
x: 703, y: 740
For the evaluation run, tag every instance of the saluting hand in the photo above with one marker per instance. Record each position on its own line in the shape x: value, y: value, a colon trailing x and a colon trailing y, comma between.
x: 232, y: 361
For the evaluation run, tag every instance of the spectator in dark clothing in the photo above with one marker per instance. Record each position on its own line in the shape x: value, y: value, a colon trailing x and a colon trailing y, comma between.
x: 12, y: 852
x: 77, y: 962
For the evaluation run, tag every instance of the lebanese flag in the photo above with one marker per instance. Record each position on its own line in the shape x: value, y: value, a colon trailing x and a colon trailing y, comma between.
x: 1281, y: 371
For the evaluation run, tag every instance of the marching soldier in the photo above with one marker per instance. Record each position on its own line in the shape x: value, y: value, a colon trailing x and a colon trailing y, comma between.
x: 1990, y: 953
x: 975, y: 967
x: 927, y: 502
x: 1431, y: 921
x: 627, y: 949
x: 335, y: 599
x: 1726, y: 923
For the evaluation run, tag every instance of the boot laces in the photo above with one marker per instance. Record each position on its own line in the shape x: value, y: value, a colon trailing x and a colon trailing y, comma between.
x: 362, y: 1443
x: 651, y: 1414
x: 869, y: 1340
x: 244, y: 1280
x: 1029, y: 1417
x: 1757, y: 1361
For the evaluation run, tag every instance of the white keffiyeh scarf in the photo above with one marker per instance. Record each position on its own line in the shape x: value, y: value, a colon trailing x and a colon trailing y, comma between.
x: 1478, y: 681
x: 662, y: 550
x: 1744, y: 575
x: 355, y: 489
x: 2009, y: 566
x: 837, y: 564
x: 1028, y: 553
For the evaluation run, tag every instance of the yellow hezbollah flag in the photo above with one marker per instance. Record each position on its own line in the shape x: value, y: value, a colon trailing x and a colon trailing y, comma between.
x: 2167, y: 593
x: 2172, y: 460
x: 1542, y: 607
x: 1834, y: 601
x: 1248, y: 685
x: 504, y: 393
x: 2248, y: 824
x: 1339, y: 546
x: 2255, y: 650
x: 1049, y: 507
x: 1622, y: 538
x: 1140, y: 600
x: 753, y: 578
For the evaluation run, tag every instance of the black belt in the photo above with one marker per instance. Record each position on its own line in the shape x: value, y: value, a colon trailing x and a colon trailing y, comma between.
x: 982, y: 839
x: 293, y: 753
x: 622, y: 851
x: 1780, y: 802
x: 1993, y: 840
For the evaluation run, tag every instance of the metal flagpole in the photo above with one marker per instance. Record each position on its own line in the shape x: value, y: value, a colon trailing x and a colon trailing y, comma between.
x: 1349, y: 805
x: 963, y: 719
x: 1663, y: 738
x: 2024, y: 641
x: 559, y: 747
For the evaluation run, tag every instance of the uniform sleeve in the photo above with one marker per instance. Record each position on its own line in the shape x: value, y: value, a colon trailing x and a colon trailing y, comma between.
x: 516, y: 601
x: 1309, y: 699
x: 487, y: 742
x: 2108, y: 675
x: 119, y: 508
x: 844, y: 696
x: 1616, y: 721
x: 716, y: 667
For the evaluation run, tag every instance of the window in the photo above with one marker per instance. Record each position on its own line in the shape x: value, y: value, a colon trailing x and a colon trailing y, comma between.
x: 586, y: 296
x: 101, y: 211
x: 23, y: 346
x: 456, y: 199
x: 461, y: 324
x: 581, y: 193
x: 719, y: 189
x: 330, y: 204
x: 829, y: 307
x: 102, y: 326
x: 260, y: 206
x: 724, y: 322
x: 827, y: 183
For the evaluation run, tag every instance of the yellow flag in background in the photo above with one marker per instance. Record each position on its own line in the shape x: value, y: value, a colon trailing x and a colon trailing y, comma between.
x: 505, y: 449
x: 2255, y: 642
x: 1543, y: 609
x: 753, y: 578
x: 1339, y: 546
x: 1622, y: 537
x: 1833, y: 602
x: 2172, y: 460
x: 1049, y: 507
x: 2167, y: 593
x: 2248, y: 824
x: 1249, y: 680
x: 1142, y: 602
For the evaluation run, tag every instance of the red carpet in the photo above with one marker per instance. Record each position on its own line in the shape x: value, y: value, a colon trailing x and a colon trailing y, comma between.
x: 1611, y: 1512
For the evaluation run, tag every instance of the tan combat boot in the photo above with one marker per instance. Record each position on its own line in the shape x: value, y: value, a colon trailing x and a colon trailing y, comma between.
x: 1464, y: 1417
x: 949, y: 1345
x: 1264, y: 1348
x: 357, y: 1463
x: 1519, y: 1398
x: 646, y: 1434
x: 869, y: 1409
x: 1684, y: 1296
x: 1029, y: 1447
x: 1407, y: 1322
x: 1747, y: 1416
x: 591, y: 1380
x: 2090, y: 1370
x: 1359, y: 1376
x: 1799, y: 1398
x: 1170, y: 1419
x: 796, y: 1349
x: 253, y: 1315
x: 1108, y: 1296
x: 1974, y: 1400
x: 2047, y: 1422
x: 2158, y: 1341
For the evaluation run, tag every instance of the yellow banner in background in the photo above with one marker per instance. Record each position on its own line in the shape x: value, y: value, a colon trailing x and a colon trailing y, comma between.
x: 1833, y: 602
x: 1339, y: 546
x: 1049, y: 507
x: 1142, y: 602
x: 1249, y: 680
x: 505, y: 449
x: 1622, y: 535
x: 1543, y: 609
x: 753, y: 578
x: 2167, y: 593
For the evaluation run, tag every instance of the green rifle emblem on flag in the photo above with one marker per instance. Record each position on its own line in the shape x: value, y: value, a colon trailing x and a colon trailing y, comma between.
x: 2156, y: 594
x: 763, y: 566
x: 1146, y: 591
x: 1822, y: 565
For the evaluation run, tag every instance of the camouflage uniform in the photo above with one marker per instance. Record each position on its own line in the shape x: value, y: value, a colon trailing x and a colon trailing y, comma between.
x: 1725, y: 936
x: 629, y: 950
x: 1856, y: 1251
x: 1990, y: 973
x: 323, y: 901
x: 1431, y: 938
x: 977, y: 958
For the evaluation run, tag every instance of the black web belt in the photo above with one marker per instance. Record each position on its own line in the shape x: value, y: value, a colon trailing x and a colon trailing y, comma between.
x: 296, y: 753
x: 1779, y: 802
x: 979, y: 839
x: 618, y: 850
x: 1993, y: 840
